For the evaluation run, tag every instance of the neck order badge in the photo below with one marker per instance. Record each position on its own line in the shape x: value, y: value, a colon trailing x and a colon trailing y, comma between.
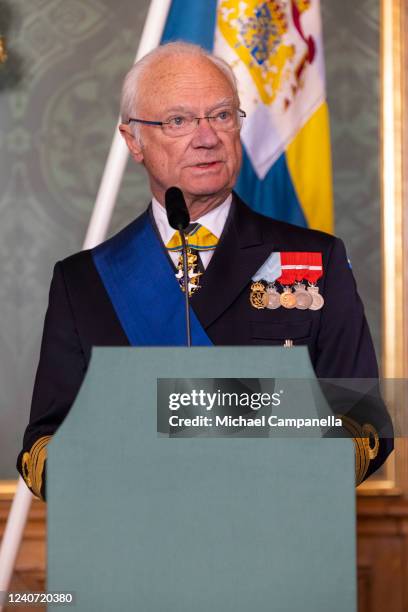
x: 198, y: 238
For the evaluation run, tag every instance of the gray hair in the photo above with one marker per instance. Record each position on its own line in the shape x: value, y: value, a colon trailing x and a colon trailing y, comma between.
x: 128, y: 104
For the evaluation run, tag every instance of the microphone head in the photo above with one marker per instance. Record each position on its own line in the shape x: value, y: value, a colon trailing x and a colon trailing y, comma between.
x: 176, y: 209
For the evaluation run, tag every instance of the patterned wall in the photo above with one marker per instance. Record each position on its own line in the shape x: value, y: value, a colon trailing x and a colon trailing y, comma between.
x: 58, y: 104
x: 351, y: 38
x: 56, y: 124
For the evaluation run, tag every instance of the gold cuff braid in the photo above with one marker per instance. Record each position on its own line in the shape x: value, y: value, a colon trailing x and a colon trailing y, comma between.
x: 364, y: 451
x: 33, y: 465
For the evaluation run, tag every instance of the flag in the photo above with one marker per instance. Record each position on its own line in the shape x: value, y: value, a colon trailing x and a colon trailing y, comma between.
x: 275, y: 49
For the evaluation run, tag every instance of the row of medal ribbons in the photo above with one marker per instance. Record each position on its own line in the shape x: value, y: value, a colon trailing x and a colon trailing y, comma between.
x: 266, y: 295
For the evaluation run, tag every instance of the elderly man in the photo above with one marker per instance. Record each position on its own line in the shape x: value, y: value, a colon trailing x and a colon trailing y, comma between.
x: 181, y: 119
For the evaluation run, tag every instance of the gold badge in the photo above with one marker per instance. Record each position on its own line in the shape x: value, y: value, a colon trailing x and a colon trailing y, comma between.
x: 258, y: 297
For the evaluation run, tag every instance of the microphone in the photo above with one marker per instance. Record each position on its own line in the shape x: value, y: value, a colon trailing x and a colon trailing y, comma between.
x: 179, y: 219
x: 176, y: 209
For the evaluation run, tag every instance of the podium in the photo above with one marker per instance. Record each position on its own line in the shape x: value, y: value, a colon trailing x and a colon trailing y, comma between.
x: 138, y: 520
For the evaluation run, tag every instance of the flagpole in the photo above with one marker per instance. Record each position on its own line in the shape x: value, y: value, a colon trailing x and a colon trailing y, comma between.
x: 13, y: 534
x: 118, y: 154
x: 96, y: 232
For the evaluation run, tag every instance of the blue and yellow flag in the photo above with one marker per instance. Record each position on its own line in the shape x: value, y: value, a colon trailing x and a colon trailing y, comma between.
x: 275, y: 49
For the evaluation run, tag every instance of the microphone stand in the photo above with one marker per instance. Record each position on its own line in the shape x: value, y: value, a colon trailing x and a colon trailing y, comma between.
x: 186, y: 283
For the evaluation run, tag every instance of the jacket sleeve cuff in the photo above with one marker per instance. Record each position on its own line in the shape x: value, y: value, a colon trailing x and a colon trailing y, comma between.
x: 366, y: 445
x: 33, y: 466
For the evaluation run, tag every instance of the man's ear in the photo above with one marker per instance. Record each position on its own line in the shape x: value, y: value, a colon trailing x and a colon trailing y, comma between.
x: 133, y: 143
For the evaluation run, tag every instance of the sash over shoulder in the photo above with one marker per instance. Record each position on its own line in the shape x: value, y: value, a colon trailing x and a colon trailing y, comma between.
x: 142, y: 287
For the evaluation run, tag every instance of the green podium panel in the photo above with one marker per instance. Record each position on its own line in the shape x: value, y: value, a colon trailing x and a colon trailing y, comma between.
x: 142, y: 521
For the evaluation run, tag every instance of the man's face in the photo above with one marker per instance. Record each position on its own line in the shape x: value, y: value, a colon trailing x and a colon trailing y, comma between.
x: 203, y: 164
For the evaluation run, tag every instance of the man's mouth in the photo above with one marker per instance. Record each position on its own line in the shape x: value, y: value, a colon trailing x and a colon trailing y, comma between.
x: 212, y: 164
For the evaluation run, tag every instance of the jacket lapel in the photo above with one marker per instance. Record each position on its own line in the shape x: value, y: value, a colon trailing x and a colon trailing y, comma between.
x: 239, y: 254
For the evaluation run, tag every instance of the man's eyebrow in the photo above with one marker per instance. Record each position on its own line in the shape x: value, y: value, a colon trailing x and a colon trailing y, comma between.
x: 184, y: 109
x: 225, y: 102
x: 177, y: 109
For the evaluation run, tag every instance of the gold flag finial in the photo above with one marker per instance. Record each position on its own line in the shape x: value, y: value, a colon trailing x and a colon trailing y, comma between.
x: 3, y: 52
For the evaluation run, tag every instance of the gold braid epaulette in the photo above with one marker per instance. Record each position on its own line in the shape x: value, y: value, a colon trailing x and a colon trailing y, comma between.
x: 32, y: 465
x: 361, y: 438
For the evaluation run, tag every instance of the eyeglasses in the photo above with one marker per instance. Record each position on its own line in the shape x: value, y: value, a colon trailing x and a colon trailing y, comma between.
x: 226, y: 120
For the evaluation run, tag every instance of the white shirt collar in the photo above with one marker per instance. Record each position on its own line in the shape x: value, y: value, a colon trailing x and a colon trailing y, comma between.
x: 214, y: 220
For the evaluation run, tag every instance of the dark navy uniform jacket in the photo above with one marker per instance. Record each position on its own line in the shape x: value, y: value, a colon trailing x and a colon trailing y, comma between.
x: 80, y: 315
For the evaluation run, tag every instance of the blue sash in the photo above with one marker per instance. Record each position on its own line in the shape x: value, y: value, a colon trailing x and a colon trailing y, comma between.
x: 142, y: 287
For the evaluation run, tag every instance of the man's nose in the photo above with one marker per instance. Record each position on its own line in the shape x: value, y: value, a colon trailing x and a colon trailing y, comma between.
x: 205, y: 135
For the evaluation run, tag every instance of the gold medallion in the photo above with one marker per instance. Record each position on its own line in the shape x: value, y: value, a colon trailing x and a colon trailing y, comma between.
x: 287, y: 298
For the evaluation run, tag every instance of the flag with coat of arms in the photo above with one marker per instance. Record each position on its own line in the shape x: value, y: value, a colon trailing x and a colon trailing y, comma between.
x: 275, y: 49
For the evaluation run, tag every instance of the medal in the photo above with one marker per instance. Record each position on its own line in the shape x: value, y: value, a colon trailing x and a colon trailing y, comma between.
x: 289, y: 269
x: 287, y: 298
x: 273, y: 297
x: 303, y: 298
x: 317, y: 299
x: 298, y: 267
x: 258, y: 297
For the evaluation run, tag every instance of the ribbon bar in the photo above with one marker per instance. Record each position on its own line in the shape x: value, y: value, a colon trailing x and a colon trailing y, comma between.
x: 298, y: 266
